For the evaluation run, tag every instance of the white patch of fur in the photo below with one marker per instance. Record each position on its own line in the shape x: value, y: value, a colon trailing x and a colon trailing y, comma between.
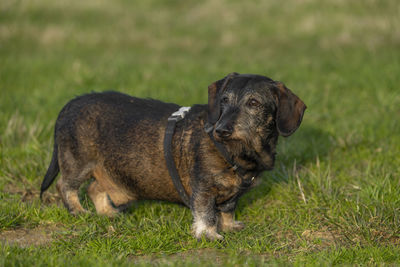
x: 200, y: 228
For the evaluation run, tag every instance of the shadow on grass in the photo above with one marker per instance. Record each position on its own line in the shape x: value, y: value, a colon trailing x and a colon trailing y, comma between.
x: 303, y: 148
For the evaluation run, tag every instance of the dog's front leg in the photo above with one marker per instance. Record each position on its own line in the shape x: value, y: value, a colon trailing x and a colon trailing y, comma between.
x: 205, y: 216
x: 227, y: 217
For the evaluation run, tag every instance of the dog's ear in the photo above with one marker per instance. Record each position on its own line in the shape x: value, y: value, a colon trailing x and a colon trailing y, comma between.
x: 290, y: 110
x: 214, y: 91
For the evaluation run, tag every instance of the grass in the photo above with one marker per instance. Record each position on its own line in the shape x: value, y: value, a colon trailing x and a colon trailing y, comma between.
x: 333, y: 197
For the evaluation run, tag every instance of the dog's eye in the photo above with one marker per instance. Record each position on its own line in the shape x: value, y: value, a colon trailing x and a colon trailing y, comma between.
x: 224, y: 100
x: 253, y: 103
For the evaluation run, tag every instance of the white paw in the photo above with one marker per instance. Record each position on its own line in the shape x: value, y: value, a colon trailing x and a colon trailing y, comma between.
x: 210, y: 232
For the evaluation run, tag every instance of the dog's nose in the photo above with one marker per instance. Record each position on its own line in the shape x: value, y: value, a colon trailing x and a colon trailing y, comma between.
x: 224, y: 132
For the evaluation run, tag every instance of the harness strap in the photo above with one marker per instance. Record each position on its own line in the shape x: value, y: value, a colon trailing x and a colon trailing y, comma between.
x: 246, y: 182
x: 169, y: 159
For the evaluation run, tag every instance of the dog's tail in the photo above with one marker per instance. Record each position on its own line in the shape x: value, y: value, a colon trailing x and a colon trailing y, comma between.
x: 52, y: 171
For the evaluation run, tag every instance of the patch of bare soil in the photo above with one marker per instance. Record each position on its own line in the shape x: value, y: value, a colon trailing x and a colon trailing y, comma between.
x: 194, y: 255
x: 38, y: 236
x: 29, y: 195
x: 47, y: 198
x: 323, y: 234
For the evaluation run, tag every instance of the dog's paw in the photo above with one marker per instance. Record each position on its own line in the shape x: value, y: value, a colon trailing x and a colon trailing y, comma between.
x: 210, y: 232
x: 237, y: 225
x: 232, y: 226
x: 212, y: 236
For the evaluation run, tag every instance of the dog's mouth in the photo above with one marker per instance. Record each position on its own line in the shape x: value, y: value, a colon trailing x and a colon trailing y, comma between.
x: 233, y: 136
x: 224, y: 137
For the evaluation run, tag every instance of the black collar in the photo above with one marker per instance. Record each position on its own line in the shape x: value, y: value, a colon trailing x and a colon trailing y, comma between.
x: 247, y: 176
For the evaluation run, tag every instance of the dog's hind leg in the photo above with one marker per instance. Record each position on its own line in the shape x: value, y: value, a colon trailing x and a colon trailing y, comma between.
x: 108, y: 197
x: 227, y: 222
x: 69, y: 195
x: 73, y: 174
x: 226, y: 214
x: 101, y: 200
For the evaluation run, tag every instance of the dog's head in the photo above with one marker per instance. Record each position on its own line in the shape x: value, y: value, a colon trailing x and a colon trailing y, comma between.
x: 253, y: 110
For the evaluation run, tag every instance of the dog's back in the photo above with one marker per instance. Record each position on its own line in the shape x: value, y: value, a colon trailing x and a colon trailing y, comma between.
x: 102, y: 122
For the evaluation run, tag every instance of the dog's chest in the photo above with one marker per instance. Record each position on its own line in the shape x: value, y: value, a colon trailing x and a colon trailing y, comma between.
x: 234, y: 186
x: 228, y: 186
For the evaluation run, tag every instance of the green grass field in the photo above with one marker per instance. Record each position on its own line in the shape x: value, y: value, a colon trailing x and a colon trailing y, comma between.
x: 334, y: 196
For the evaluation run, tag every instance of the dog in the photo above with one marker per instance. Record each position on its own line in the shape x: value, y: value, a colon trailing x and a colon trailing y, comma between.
x: 117, y: 139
